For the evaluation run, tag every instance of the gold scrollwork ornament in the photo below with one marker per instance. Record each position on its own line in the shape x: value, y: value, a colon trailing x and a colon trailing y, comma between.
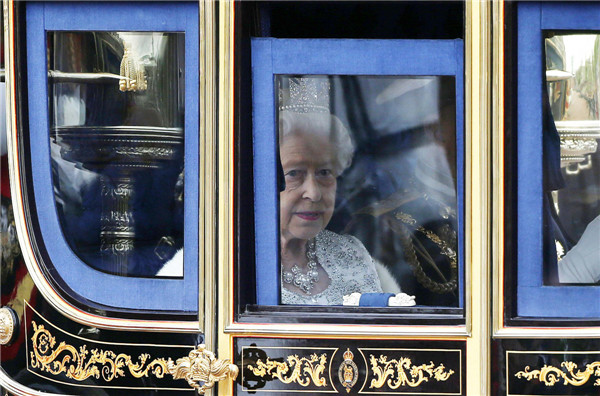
x: 304, y: 370
x: 82, y: 364
x: 201, y: 369
x: 550, y: 375
x: 405, y: 372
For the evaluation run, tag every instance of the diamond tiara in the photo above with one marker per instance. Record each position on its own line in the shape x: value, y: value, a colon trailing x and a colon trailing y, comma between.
x: 304, y: 94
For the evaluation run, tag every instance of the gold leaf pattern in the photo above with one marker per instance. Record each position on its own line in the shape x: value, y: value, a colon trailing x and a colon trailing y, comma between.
x: 401, y: 372
x: 550, y: 375
x: 304, y: 370
x: 83, y: 363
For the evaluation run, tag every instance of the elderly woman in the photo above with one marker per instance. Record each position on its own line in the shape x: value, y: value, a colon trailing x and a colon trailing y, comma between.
x: 318, y: 266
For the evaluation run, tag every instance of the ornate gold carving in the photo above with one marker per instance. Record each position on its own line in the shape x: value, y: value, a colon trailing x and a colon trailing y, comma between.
x: 7, y: 325
x: 348, y: 371
x: 83, y: 363
x: 550, y: 375
x: 305, y: 370
x: 383, y: 368
x: 201, y: 369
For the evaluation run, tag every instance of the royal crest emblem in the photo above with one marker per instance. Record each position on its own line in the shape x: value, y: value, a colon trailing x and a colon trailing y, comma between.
x: 348, y: 371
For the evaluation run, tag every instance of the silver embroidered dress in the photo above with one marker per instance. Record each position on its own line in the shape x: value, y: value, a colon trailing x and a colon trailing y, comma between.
x: 349, y: 266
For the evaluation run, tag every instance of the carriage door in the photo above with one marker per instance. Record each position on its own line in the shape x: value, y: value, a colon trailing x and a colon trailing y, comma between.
x: 111, y: 150
x: 547, y: 310
x: 350, y: 216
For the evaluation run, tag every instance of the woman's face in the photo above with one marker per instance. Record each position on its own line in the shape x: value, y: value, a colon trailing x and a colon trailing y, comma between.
x: 310, y: 183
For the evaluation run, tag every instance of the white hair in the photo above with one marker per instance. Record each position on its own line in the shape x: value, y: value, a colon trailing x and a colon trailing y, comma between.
x: 320, y: 124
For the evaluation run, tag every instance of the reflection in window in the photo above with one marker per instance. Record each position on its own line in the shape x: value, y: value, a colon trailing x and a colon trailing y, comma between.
x: 572, y: 161
x: 116, y: 104
x: 368, y: 188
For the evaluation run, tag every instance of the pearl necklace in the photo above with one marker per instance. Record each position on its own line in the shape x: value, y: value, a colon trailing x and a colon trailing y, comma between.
x: 304, y: 281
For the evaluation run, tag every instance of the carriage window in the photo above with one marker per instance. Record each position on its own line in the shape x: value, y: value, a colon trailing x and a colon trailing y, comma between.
x: 367, y: 190
x: 114, y: 151
x: 572, y: 179
x: 358, y: 174
x: 116, y: 109
x: 554, y: 172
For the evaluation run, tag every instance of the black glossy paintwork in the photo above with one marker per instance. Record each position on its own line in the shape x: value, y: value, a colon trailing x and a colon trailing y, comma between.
x: 15, y: 359
x: 249, y: 350
x: 510, y: 357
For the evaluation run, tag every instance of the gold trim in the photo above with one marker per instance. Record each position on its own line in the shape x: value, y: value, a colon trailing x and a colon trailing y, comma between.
x: 347, y: 331
x: 83, y: 363
x: 225, y: 181
x: 207, y: 173
x: 478, y: 185
x: 202, y: 370
x: 48, y: 292
x: 550, y: 375
x: 305, y: 371
x: 406, y: 373
x: 498, y: 165
x: 555, y: 332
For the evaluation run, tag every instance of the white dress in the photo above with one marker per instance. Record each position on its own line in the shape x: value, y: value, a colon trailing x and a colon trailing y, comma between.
x: 349, y: 266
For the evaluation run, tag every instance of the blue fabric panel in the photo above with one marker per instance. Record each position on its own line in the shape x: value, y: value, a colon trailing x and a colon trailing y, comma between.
x: 559, y: 302
x: 579, y: 16
x: 534, y: 299
x: 529, y: 139
x: 266, y: 202
x: 375, y: 299
x: 338, y: 57
x: 156, y: 16
x: 367, y: 57
x: 111, y: 290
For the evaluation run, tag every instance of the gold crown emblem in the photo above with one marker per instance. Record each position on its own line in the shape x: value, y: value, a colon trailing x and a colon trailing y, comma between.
x: 305, y: 94
x: 348, y: 355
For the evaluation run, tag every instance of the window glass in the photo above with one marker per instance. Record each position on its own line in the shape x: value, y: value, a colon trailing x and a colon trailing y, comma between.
x: 116, y: 109
x: 368, y: 189
x: 572, y: 160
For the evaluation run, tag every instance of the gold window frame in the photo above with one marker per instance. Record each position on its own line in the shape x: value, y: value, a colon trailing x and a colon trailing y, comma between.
x: 475, y: 209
